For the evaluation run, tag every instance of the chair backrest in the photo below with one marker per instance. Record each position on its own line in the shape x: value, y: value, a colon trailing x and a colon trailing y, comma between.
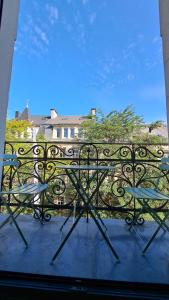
x: 8, y: 160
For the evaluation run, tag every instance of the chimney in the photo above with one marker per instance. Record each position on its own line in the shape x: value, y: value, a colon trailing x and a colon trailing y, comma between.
x: 17, y: 114
x: 53, y: 113
x: 93, y: 112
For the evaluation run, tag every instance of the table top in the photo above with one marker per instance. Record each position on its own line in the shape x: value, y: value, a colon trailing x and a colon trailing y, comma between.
x: 85, y: 167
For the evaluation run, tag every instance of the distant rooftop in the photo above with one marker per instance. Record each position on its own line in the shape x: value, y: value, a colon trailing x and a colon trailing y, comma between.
x: 61, y: 120
x: 52, y: 119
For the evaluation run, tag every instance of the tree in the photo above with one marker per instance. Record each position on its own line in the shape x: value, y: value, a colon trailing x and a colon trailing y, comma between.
x: 16, y: 130
x: 147, y: 138
x: 154, y: 125
x: 114, y: 127
x: 40, y: 137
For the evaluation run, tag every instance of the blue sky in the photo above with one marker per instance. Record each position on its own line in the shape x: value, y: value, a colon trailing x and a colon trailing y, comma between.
x: 76, y: 54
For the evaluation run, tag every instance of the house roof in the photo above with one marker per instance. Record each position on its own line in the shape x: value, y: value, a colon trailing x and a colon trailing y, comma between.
x: 65, y: 120
x: 38, y: 120
x: 24, y: 115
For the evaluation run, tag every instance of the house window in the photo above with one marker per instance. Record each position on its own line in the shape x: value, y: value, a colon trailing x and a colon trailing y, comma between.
x: 58, y: 130
x: 72, y: 133
x: 65, y: 132
x: 79, y: 132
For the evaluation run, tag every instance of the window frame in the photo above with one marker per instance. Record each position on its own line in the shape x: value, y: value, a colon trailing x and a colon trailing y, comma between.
x: 72, y: 136
x: 65, y: 129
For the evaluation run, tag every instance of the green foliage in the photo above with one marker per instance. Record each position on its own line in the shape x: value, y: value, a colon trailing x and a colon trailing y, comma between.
x: 147, y: 138
x: 123, y: 126
x: 114, y: 127
x: 40, y: 137
x: 16, y: 130
x: 155, y: 125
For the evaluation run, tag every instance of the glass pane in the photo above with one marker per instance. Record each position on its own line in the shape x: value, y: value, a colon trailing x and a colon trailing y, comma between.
x: 72, y: 132
x: 65, y: 132
x: 58, y: 132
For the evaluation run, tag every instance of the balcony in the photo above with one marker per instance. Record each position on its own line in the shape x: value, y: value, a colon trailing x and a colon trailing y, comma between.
x: 85, y: 257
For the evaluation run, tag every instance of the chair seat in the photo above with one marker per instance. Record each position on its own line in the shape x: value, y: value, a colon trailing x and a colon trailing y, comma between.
x: 146, y: 193
x: 28, y: 189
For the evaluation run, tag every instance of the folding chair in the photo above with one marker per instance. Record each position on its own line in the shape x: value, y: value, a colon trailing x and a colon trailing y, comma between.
x: 27, y: 190
x: 145, y: 197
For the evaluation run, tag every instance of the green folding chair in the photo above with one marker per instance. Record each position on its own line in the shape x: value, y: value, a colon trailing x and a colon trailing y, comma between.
x: 27, y: 191
x: 146, y: 197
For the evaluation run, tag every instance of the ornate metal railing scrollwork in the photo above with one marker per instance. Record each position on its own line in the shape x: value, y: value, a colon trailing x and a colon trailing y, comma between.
x: 135, y: 165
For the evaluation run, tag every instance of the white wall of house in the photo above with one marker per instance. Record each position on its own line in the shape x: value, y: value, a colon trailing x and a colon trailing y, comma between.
x: 76, y: 132
x: 32, y: 133
x: 164, y: 27
x: 8, y: 30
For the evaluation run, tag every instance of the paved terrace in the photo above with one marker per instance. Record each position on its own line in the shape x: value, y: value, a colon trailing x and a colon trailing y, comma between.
x: 86, y: 254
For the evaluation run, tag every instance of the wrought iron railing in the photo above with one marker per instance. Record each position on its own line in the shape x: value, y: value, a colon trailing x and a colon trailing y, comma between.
x: 135, y: 165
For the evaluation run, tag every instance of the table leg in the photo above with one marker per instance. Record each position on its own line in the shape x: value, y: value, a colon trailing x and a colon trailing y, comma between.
x: 66, y: 237
x: 67, y: 219
x: 82, y: 193
x: 104, y: 235
x: 87, y: 206
x: 79, y: 186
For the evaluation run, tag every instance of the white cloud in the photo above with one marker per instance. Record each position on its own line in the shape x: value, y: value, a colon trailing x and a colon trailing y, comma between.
x: 84, y: 2
x: 140, y: 37
x: 132, y: 45
x: 92, y: 18
x: 130, y: 76
x: 42, y: 35
x: 35, y: 4
x: 32, y: 38
x: 36, y: 42
x: 150, y: 64
x: 129, y: 50
x: 156, y: 39
x: 53, y: 13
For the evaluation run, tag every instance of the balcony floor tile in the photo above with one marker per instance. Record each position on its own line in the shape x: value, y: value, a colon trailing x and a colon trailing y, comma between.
x: 85, y: 254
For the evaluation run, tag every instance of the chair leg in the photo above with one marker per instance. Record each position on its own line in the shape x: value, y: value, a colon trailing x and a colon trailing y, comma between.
x: 155, y: 233
x: 16, y: 225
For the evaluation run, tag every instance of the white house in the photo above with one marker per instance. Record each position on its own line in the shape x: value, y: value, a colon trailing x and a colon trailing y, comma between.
x: 54, y: 127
